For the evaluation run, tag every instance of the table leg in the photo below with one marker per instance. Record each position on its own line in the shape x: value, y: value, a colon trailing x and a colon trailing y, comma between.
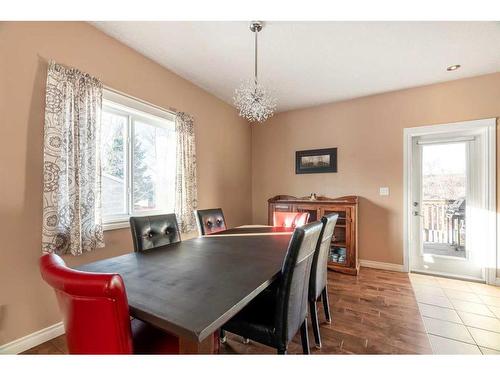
x: 208, y: 346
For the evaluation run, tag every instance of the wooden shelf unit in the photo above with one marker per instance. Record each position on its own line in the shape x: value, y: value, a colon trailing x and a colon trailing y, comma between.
x: 344, y: 248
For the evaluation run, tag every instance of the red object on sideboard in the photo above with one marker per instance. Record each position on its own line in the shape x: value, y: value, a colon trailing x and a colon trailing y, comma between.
x: 290, y: 219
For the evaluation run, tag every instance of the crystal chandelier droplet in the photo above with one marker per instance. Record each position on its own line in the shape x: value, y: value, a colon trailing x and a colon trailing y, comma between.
x: 254, y: 101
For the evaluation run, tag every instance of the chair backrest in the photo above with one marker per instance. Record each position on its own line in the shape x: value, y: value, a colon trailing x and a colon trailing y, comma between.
x: 319, y: 269
x: 94, y: 308
x: 290, y: 219
x: 210, y: 221
x: 149, y: 232
x: 291, y: 308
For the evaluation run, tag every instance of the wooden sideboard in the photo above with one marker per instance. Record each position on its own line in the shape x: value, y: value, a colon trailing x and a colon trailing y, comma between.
x: 344, y: 248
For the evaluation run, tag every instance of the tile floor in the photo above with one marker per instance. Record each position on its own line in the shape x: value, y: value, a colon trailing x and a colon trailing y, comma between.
x: 460, y: 317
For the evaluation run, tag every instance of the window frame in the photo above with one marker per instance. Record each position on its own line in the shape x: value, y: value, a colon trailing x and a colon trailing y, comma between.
x: 134, y: 110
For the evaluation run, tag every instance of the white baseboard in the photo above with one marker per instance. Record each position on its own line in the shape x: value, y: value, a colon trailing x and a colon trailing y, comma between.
x: 381, y: 265
x: 33, y: 339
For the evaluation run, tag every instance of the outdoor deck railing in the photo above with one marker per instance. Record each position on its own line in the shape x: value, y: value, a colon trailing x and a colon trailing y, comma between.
x: 440, y: 227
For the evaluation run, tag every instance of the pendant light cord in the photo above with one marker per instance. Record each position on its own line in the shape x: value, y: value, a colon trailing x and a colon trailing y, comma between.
x: 254, y: 102
x: 256, y: 32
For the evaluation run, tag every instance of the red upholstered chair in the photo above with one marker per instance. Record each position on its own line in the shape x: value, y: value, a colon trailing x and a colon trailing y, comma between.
x: 290, y: 219
x: 95, y: 313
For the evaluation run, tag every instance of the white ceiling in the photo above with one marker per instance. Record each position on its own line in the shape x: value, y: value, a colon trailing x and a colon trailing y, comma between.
x: 309, y: 63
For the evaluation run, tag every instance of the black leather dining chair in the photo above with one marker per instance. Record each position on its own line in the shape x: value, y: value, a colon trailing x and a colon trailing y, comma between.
x: 210, y: 221
x: 319, y: 272
x: 149, y: 232
x: 274, y: 316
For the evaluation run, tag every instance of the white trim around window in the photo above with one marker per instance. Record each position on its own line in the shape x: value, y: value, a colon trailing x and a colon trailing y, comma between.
x: 137, y: 104
x: 134, y: 111
x: 488, y: 127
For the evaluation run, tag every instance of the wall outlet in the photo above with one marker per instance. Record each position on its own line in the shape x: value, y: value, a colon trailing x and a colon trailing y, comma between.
x: 384, y: 191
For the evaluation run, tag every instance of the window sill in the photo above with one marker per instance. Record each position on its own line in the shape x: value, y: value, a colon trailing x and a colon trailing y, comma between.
x: 115, y: 225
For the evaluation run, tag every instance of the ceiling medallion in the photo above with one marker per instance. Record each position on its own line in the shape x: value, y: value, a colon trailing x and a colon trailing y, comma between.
x: 253, y: 100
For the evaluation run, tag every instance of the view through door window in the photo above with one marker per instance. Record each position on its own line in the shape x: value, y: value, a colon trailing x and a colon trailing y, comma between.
x: 444, y: 182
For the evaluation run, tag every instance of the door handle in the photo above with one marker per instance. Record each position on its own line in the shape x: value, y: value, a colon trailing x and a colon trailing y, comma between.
x: 416, y: 213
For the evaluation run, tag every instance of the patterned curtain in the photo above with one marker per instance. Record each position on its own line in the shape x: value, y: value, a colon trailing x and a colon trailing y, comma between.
x: 186, y: 199
x: 71, y: 169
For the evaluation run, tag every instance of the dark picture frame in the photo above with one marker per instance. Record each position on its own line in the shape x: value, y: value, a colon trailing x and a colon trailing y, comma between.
x: 322, y: 160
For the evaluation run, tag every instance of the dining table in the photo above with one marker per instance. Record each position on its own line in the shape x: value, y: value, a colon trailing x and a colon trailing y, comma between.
x: 193, y: 287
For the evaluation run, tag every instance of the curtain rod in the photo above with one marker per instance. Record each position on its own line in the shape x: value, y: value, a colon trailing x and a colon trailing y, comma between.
x: 168, y: 109
x: 171, y: 110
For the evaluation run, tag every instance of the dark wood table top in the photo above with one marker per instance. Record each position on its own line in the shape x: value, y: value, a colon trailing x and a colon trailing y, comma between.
x: 193, y: 287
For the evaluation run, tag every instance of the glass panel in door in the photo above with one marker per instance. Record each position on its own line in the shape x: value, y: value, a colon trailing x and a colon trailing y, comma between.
x: 443, y: 209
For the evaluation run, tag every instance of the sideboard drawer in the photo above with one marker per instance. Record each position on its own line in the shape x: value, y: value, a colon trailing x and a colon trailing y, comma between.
x: 283, y: 207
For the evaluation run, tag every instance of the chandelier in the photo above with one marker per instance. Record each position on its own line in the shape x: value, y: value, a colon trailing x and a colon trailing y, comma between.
x: 254, y: 102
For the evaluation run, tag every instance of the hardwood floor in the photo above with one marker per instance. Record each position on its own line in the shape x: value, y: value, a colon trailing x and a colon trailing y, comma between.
x: 375, y: 312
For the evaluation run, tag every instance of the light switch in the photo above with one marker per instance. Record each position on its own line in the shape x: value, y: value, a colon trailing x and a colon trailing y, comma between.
x: 384, y: 191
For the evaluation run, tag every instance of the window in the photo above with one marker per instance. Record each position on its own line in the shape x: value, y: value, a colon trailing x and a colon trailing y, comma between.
x: 138, y: 160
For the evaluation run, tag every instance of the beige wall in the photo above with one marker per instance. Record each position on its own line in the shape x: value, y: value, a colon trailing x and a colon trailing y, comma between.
x: 223, y: 148
x: 369, y: 135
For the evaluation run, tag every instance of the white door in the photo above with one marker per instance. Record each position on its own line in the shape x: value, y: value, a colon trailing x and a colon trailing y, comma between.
x: 449, y: 204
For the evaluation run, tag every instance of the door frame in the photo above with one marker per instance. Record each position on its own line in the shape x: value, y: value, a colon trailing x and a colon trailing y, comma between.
x: 489, y: 128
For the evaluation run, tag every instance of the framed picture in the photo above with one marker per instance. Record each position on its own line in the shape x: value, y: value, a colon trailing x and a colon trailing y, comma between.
x: 316, y: 161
